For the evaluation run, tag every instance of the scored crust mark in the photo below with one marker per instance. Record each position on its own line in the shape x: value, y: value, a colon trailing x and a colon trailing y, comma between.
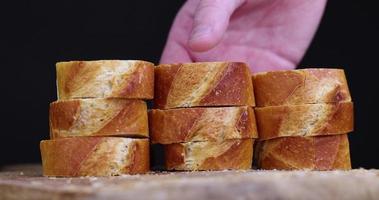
x: 265, y: 117
x: 90, y: 75
x: 304, y: 86
x: 244, y: 117
x: 94, y: 156
x: 86, y: 157
x: 267, y: 93
x: 304, y: 123
x: 141, y: 158
x: 268, y: 159
x: 271, y: 162
x: 67, y: 111
x: 131, y: 119
x: 71, y: 79
x: 108, y: 158
x: 343, y: 157
x: 105, y: 78
x: 327, y: 87
x: 315, y: 153
x: 98, y: 117
x: 130, y: 83
x: 305, y: 120
x: 174, y: 156
x: 128, y: 80
x: 203, y: 84
x: 293, y: 151
x: 326, y: 150
x: 235, y: 86
x: 334, y: 84
x: 202, y: 124
x: 239, y: 156
x: 63, y: 157
x: 169, y: 126
x: 246, y: 124
x: 93, y: 115
x: 192, y: 83
x: 340, y: 117
x: 195, y: 154
x: 164, y: 76
x: 131, y: 157
x: 219, y: 121
x: 227, y: 154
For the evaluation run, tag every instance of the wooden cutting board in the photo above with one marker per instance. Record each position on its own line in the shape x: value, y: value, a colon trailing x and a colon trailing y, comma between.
x: 26, y: 182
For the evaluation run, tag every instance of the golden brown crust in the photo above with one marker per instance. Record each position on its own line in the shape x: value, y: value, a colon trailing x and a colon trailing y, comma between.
x: 98, y: 117
x: 227, y: 154
x: 304, y: 86
x: 202, y: 124
x: 203, y: 84
x: 305, y: 120
x: 105, y: 78
x: 94, y: 156
x: 314, y: 153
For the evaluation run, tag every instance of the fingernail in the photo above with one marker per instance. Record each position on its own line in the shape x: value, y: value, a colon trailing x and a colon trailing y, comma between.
x: 200, y: 31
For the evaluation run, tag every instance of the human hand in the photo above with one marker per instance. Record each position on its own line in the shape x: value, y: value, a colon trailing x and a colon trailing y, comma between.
x: 267, y: 34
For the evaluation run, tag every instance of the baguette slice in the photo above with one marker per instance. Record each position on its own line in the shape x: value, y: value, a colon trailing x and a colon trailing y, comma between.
x: 227, y: 154
x: 94, y: 156
x: 202, y: 124
x: 313, y: 153
x: 304, y: 86
x: 130, y: 79
x: 305, y: 120
x: 98, y: 117
x: 203, y: 84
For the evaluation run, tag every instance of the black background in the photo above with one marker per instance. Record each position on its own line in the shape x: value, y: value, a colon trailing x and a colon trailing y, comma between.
x: 36, y: 34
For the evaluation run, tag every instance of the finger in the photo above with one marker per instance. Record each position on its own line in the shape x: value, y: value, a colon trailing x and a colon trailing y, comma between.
x: 176, y: 50
x: 174, y: 53
x: 210, y: 22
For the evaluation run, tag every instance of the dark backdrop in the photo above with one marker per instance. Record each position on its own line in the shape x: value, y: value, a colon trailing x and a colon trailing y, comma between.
x: 36, y: 34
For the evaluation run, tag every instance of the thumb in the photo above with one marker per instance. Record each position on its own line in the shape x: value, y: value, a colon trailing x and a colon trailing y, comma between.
x: 210, y: 22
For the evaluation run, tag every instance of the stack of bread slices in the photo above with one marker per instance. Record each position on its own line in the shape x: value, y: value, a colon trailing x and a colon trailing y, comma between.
x: 303, y: 119
x: 99, y: 125
x: 203, y: 115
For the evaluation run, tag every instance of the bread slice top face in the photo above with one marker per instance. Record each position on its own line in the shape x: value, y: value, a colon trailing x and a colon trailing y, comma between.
x: 203, y: 84
x: 303, y: 86
x: 132, y: 79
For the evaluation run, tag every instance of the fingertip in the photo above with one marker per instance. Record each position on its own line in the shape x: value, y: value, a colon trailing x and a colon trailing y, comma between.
x: 174, y: 53
x: 202, y: 43
x: 211, y: 20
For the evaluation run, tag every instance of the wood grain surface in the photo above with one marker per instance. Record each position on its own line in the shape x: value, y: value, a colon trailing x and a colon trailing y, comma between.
x: 26, y: 182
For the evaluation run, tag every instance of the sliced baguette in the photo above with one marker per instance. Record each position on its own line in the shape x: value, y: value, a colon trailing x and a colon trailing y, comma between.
x: 313, y: 153
x: 305, y: 120
x: 201, y: 124
x: 105, y: 78
x: 304, y: 86
x: 98, y: 117
x: 203, y: 84
x: 226, y: 154
x: 94, y: 156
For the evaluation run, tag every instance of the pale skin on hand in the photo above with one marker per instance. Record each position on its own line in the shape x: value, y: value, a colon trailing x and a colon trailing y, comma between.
x: 267, y: 34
